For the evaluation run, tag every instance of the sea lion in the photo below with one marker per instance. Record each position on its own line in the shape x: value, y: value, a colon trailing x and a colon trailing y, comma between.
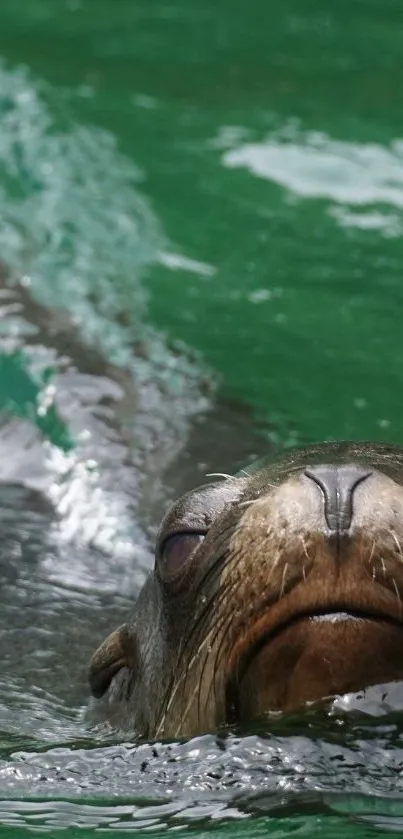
x: 278, y: 587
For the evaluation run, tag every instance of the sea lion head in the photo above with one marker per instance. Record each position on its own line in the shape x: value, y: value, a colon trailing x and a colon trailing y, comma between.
x: 271, y: 589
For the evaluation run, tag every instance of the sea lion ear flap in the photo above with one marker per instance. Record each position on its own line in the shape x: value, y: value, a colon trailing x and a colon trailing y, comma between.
x: 113, y: 654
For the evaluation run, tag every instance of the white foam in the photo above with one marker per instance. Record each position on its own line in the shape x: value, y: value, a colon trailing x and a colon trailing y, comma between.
x: 314, y: 166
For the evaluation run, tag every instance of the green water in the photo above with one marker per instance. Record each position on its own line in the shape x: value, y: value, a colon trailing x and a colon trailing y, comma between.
x: 226, y: 177
x: 182, y: 86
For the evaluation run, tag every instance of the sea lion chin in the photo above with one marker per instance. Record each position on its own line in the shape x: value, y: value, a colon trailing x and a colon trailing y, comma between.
x: 272, y: 589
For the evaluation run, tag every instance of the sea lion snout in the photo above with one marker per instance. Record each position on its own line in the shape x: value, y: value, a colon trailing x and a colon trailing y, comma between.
x: 337, y: 484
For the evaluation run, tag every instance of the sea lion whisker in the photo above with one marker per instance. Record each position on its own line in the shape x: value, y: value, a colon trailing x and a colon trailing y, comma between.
x: 275, y: 562
x: 303, y: 560
x: 222, y: 594
x: 213, y: 603
x: 382, y: 561
x: 305, y: 547
x: 371, y: 556
x: 220, y: 655
x: 224, y: 627
x: 168, y: 699
x: 193, y: 626
x: 223, y: 651
x: 176, y: 681
x: 181, y: 681
x: 224, y: 630
x: 215, y: 568
x: 396, y: 541
x: 283, y: 579
x: 399, y: 599
x: 213, y: 635
x: 197, y: 690
x: 220, y: 475
x: 225, y: 591
x: 185, y: 712
x: 165, y: 704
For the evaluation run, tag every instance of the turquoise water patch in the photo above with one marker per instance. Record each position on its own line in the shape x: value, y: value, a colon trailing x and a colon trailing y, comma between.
x: 75, y: 227
x: 21, y: 394
x: 71, y: 217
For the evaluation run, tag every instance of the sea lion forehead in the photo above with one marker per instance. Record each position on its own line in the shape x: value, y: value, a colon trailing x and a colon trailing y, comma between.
x: 274, y: 470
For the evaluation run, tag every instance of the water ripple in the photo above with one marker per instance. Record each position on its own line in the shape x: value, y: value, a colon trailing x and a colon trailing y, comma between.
x: 350, y: 175
x: 209, y: 779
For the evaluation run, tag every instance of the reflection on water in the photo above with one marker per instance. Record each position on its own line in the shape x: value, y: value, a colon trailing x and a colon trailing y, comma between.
x: 331, y: 768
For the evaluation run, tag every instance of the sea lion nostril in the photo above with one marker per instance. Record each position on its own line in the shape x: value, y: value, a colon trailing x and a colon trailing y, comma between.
x: 338, y: 484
